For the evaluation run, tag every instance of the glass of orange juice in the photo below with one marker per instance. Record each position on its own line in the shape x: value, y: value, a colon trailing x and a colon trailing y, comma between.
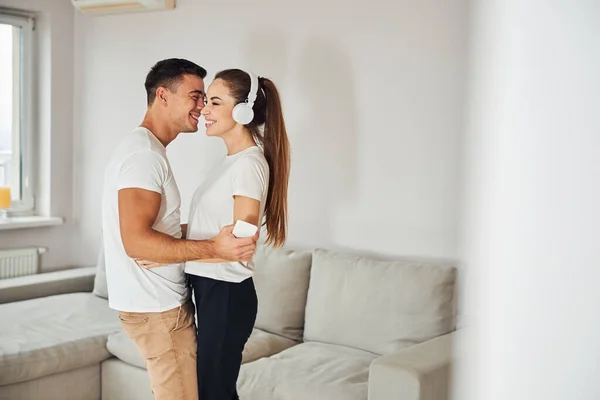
x: 4, y: 202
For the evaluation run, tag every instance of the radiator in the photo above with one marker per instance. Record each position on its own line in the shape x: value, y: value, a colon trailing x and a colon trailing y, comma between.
x: 20, y: 262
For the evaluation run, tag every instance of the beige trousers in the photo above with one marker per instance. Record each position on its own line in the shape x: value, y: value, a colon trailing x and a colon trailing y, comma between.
x: 167, y: 341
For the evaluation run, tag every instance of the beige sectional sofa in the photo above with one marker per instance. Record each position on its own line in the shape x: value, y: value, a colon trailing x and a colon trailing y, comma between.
x: 329, y: 326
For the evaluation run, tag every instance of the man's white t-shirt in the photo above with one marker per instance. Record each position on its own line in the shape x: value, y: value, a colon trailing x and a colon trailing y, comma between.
x: 242, y: 174
x: 140, y: 161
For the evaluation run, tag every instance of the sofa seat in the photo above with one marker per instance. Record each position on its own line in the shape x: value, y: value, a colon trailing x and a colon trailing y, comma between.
x: 48, y: 335
x: 264, y: 344
x: 261, y: 344
x: 308, y: 371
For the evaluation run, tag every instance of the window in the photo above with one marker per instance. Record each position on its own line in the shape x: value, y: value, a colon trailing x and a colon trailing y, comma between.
x: 16, y: 105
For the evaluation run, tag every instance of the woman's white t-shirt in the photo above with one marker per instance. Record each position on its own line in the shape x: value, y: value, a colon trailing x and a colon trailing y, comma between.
x: 242, y: 174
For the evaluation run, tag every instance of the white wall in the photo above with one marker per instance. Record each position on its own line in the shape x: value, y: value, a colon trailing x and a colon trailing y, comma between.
x: 531, y: 242
x: 373, y: 98
x: 54, y: 34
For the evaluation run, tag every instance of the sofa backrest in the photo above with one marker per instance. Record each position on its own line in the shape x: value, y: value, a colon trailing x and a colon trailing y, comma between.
x: 281, y: 280
x: 377, y: 306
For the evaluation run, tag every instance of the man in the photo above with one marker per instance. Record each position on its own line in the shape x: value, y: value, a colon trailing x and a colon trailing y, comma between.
x: 141, y: 219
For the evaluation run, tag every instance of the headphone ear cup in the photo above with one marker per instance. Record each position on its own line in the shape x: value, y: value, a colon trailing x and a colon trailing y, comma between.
x: 243, y: 114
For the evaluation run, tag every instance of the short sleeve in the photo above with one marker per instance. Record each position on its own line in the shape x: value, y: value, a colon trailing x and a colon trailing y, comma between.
x: 144, y: 170
x: 251, y: 178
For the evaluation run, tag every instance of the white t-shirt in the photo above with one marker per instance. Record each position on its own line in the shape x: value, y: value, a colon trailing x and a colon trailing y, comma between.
x: 140, y: 161
x: 242, y: 174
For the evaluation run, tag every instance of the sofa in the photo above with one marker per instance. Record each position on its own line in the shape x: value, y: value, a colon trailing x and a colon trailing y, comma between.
x: 330, y: 326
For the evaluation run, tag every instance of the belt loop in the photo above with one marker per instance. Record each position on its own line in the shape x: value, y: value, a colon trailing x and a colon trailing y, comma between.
x: 178, y: 313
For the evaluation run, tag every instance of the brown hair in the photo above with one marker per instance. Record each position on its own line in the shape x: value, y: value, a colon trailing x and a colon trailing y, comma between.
x: 274, y: 140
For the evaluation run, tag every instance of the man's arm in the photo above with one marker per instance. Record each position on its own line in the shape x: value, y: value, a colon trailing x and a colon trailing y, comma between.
x: 138, y: 209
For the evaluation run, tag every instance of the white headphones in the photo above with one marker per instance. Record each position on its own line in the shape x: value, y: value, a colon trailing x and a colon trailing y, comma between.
x: 242, y: 112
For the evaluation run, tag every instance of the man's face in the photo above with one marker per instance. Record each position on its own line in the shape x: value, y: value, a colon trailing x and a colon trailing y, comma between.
x: 186, y: 102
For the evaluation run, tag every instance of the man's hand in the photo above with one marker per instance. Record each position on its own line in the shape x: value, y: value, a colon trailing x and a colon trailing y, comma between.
x: 230, y: 248
x: 148, y: 264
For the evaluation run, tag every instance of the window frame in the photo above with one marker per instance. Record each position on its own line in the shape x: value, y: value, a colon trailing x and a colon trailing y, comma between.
x: 26, y: 204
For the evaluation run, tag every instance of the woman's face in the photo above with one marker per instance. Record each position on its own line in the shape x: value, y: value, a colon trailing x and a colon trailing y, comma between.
x: 218, y: 109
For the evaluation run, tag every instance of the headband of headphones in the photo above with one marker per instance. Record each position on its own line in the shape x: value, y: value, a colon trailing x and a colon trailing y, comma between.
x: 253, y: 89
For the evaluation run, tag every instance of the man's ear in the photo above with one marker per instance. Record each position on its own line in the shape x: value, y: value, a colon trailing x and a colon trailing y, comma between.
x: 162, y: 95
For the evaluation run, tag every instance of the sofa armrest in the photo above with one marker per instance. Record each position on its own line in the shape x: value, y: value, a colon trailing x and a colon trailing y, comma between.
x: 47, y: 284
x: 419, y: 372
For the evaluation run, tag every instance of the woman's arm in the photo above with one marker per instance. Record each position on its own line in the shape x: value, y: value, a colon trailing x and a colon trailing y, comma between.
x: 246, y: 209
x: 184, y: 231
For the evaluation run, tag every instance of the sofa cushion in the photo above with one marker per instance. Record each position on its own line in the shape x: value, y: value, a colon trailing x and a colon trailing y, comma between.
x: 53, y: 334
x: 281, y: 279
x: 260, y: 344
x: 124, y: 349
x: 264, y: 344
x: 377, y: 306
x: 122, y: 381
x: 78, y: 384
x: 100, y: 285
x: 308, y: 371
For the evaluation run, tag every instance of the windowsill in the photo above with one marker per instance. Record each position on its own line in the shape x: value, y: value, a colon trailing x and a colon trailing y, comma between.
x: 29, y: 222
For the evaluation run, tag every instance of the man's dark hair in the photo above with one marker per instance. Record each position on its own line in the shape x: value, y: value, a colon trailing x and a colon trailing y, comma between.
x: 168, y: 73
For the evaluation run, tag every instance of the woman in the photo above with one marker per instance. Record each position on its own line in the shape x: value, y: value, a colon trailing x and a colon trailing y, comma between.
x: 250, y: 184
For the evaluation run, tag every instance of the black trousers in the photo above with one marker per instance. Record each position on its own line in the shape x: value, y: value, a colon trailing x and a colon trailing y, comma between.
x: 226, y: 314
